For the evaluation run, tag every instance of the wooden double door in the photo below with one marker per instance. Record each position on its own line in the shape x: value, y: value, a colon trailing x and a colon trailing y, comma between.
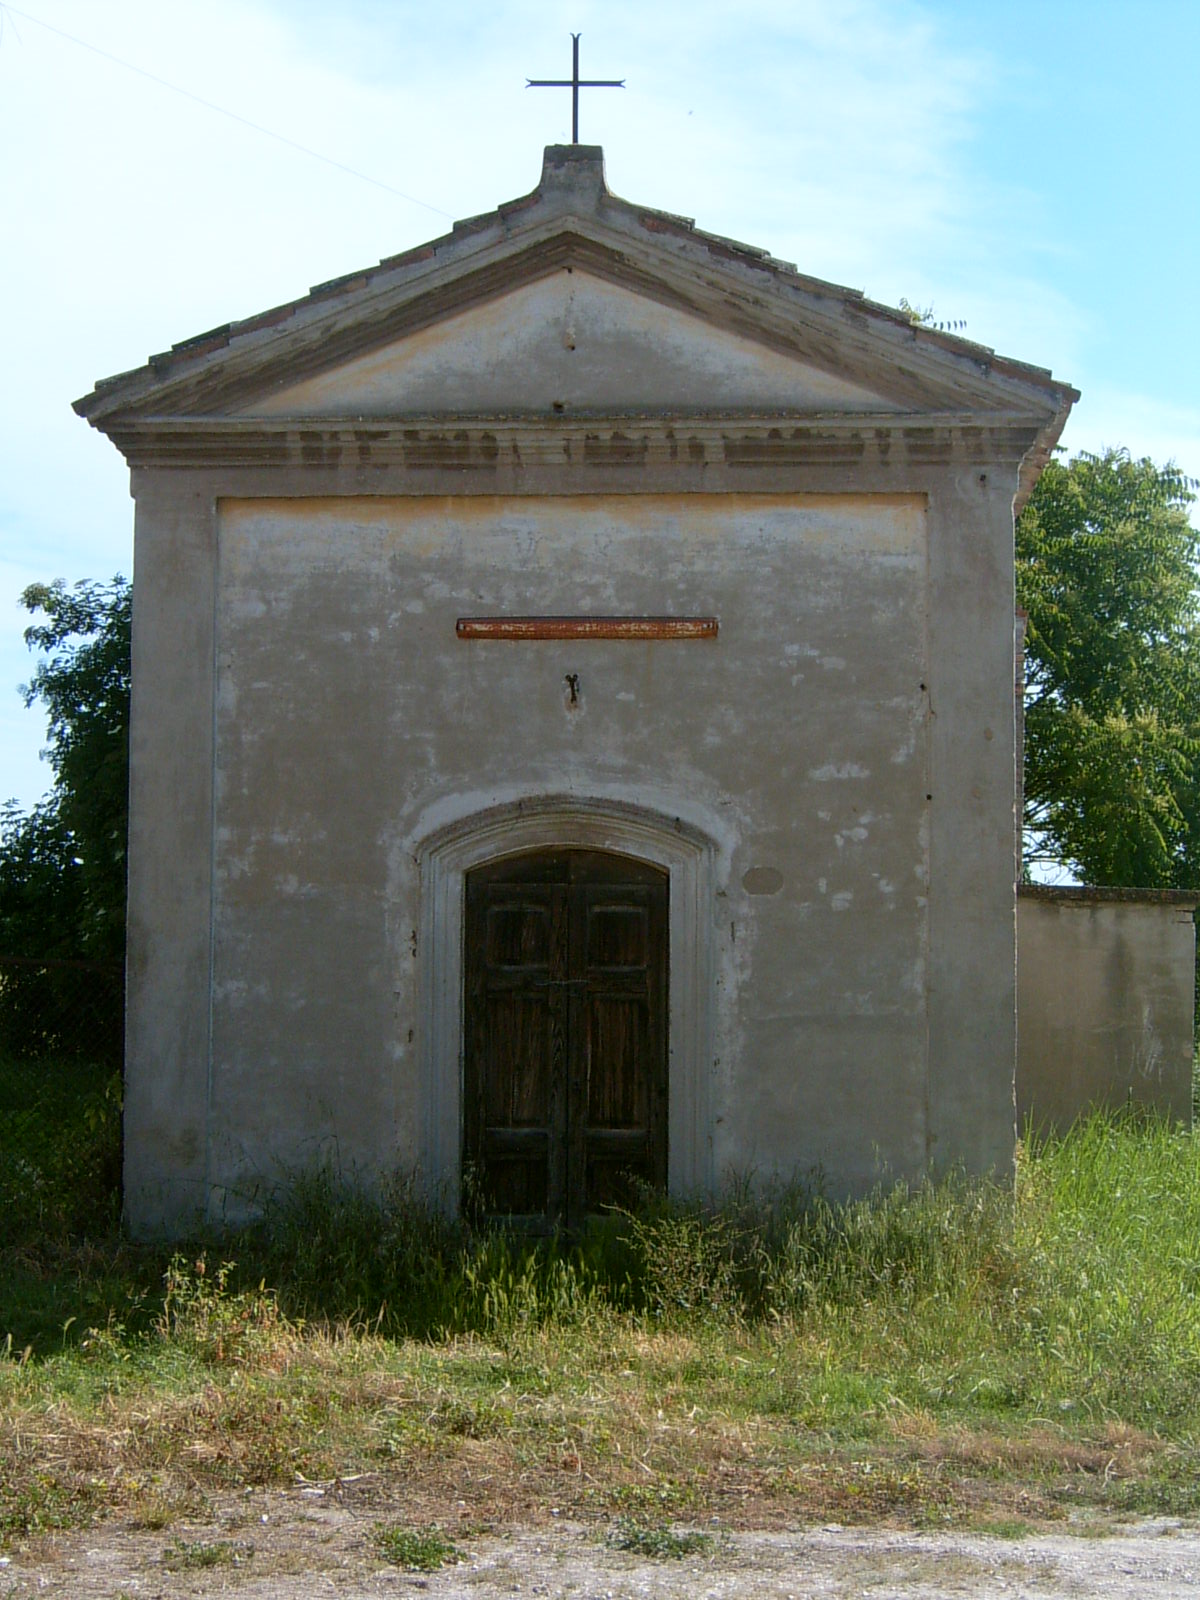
x: 565, y: 1082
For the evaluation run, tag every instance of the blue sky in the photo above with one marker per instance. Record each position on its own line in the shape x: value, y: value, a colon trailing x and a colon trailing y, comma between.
x: 1029, y: 169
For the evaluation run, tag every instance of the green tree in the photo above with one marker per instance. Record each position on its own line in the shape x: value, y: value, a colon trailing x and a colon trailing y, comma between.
x: 62, y: 864
x: 1106, y: 569
x: 82, y: 679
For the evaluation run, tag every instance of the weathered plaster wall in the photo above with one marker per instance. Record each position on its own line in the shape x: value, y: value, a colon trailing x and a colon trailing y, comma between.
x: 348, y: 714
x: 842, y: 752
x: 569, y: 340
x: 1105, y: 1002
x: 169, y: 918
x: 297, y: 651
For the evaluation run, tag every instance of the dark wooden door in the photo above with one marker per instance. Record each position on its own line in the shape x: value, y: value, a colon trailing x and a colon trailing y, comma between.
x: 565, y: 1103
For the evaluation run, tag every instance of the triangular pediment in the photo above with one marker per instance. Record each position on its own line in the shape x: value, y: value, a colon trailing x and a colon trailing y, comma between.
x: 572, y: 301
x: 572, y: 342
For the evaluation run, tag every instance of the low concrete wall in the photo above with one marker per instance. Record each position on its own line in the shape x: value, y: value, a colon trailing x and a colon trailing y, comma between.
x: 1105, y: 998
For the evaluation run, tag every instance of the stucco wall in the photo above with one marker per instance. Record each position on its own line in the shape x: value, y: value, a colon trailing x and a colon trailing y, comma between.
x: 1105, y: 985
x: 351, y: 722
x: 840, y: 758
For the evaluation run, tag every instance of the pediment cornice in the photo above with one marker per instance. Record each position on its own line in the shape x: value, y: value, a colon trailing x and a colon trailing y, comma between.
x: 566, y: 225
x: 491, y: 454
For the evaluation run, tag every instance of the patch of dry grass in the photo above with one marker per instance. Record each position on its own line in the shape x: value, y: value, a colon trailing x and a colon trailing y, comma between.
x: 630, y: 1424
x: 941, y: 1356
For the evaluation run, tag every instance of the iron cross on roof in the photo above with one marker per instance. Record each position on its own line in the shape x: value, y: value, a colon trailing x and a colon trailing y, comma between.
x: 574, y: 83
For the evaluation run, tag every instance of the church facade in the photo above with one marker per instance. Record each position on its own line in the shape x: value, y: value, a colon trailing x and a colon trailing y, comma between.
x: 573, y: 732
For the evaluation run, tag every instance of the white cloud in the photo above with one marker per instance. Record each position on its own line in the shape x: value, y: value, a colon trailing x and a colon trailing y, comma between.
x: 1143, y: 425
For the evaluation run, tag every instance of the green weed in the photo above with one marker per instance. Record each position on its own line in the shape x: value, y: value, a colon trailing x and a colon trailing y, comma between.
x: 42, y: 1501
x: 686, y: 1262
x: 658, y: 1540
x: 1004, y: 1527
x: 183, y: 1555
x: 204, y: 1316
x: 414, y: 1549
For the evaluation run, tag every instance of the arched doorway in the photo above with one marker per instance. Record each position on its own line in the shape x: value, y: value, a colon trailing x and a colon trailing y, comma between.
x: 565, y: 1067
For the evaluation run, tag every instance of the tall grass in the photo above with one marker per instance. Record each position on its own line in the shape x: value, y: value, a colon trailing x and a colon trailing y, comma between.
x: 1077, y: 1289
x: 1080, y: 1288
x: 845, y: 1353
x: 1107, y: 1227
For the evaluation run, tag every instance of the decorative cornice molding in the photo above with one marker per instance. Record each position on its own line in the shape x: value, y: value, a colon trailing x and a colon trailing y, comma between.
x: 483, y: 448
x: 831, y: 328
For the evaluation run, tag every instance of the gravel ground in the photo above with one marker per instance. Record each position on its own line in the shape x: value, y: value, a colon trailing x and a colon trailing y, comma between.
x: 300, y: 1545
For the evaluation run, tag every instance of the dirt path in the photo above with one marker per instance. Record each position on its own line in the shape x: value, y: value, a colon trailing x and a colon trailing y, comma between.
x: 299, y: 1545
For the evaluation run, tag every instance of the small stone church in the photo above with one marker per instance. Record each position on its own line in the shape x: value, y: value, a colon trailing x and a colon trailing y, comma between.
x: 573, y: 736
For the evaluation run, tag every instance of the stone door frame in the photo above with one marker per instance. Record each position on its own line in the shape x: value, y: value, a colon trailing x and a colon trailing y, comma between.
x: 688, y: 857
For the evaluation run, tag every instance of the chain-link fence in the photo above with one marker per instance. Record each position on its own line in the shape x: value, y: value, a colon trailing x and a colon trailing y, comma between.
x: 61, y: 1027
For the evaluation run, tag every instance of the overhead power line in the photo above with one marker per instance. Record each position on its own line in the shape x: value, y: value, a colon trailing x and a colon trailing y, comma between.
x: 223, y: 111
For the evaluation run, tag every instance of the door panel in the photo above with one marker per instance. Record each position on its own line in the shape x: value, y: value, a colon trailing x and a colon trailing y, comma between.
x: 616, y: 937
x: 513, y: 1107
x: 517, y: 1076
x: 617, y: 1092
x: 517, y: 1181
x: 566, y: 1047
x: 518, y: 935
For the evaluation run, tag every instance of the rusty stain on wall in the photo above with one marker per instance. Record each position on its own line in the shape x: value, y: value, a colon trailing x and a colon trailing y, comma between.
x: 587, y: 628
